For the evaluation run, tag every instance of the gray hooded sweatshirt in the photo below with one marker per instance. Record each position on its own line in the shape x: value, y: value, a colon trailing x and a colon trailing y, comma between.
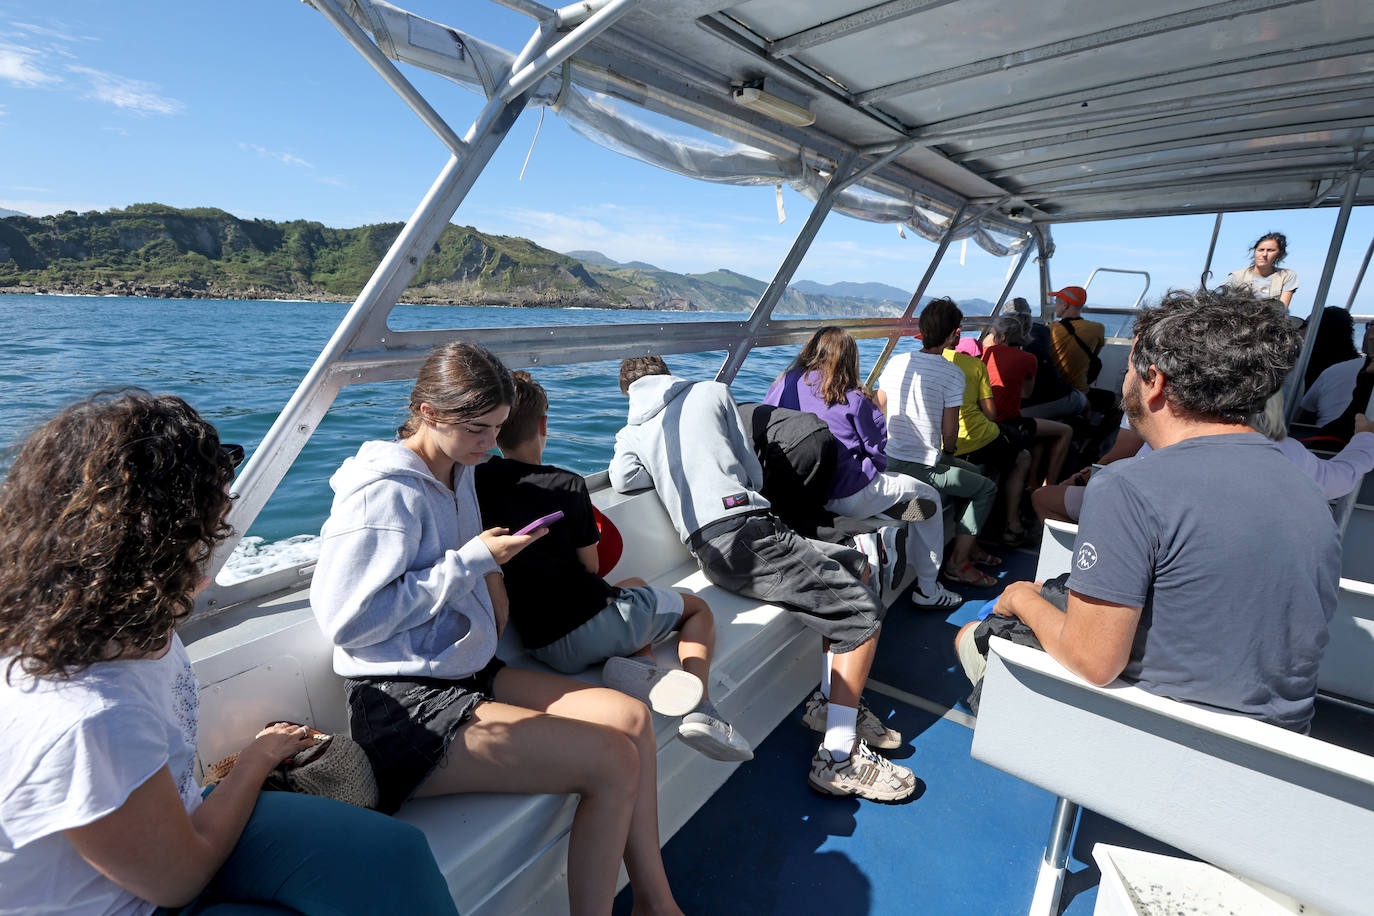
x: 399, y: 586
x: 686, y: 440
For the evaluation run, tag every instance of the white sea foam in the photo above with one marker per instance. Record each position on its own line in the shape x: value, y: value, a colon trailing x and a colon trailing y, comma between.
x: 254, y: 556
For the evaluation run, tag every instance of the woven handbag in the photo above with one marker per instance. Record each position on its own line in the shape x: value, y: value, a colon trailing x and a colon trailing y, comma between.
x: 335, y: 766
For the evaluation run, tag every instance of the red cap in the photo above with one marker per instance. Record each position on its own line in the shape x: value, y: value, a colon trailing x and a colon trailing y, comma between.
x: 1072, y: 295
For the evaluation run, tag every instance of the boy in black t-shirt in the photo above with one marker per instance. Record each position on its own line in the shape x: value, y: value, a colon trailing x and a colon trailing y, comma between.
x: 568, y: 616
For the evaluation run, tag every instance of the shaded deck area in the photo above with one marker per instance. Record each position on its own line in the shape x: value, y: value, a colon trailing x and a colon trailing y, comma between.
x: 969, y: 842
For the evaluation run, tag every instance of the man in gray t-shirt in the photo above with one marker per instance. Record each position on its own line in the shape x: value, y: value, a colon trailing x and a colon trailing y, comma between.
x: 1207, y: 570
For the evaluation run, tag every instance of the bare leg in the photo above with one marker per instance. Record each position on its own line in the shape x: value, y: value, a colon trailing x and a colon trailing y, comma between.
x: 571, y: 699
x: 1012, y: 485
x: 1049, y: 503
x: 849, y: 673
x: 1060, y: 436
x: 514, y: 750
x: 697, y: 640
x: 961, y: 551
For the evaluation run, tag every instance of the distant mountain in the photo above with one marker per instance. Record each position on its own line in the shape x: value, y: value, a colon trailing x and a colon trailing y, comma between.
x: 600, y: 260
x: 878, y: 292
x: 4, y: 213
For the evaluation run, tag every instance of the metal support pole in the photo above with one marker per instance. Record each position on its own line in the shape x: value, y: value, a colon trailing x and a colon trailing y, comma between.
x: 763, y: 309
x: 527, y: 76
x: 954, y: 222
x: 1011, y: 281
x: 1294, y: 381
x: 1359, y: 277
x: 388, y: 72
x: 1045, y: 311
x: 1049, y: 885
x: 1211, y: 250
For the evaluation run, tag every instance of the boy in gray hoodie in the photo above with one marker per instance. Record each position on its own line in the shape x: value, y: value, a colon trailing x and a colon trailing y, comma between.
x: 686, y: 440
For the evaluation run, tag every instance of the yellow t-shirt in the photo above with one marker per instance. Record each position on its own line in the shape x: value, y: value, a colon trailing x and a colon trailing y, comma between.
x: 1069, y: 357
x: 975, y: 429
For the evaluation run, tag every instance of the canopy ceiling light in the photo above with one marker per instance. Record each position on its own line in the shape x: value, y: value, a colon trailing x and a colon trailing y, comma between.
x: 754, y: 98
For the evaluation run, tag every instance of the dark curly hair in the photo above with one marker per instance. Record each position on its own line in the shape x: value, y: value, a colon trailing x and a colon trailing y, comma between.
x: 107, y: 517
x: 1223, y: 352
x: 637, y: 367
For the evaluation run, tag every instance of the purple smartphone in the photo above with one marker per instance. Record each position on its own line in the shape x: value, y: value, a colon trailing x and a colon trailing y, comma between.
x: 541, y: 522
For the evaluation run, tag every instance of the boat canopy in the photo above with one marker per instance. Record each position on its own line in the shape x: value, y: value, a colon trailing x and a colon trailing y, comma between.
x: 1050, y: 112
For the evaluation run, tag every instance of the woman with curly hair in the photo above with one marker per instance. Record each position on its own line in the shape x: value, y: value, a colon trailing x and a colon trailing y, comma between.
x: 1264, y: 277
x: 107, y: 518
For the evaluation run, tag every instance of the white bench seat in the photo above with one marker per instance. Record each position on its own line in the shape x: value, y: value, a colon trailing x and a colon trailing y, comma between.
x: 504, y: 854
x: 1286, y: 810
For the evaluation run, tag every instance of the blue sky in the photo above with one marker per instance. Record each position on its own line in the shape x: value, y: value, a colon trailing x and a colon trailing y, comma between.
x: 260, y: 108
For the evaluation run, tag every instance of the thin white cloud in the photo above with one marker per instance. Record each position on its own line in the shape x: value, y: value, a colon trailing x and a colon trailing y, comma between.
x: 284, y: 158
x: 336, y: 182
x: 22, y: 66
x: 129, y: 94
x: 58, y: 33
x: 28, y: 190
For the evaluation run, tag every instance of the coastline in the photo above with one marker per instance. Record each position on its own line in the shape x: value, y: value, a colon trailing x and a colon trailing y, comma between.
x: 529, y: 299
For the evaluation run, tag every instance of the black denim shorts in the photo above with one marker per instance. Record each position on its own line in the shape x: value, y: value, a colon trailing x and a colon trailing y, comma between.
x: 405, y: 725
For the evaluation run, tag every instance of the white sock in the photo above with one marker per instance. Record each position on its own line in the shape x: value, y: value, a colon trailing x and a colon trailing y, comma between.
x: 827, y: 661
x: 841, y: 731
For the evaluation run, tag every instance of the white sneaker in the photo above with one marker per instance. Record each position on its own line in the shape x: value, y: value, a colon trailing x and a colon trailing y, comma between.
x: 862, y: 773
x: 871, y: 729
x: 941, y: 599
x: 713, y: 737
x: 667, y: 691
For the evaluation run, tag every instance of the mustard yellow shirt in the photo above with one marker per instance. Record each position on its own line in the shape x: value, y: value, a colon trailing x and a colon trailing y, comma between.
x: 975, y: 429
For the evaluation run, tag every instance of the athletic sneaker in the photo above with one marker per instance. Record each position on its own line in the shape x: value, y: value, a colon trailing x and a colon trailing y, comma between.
x: 713, y: 737
x: 871, y: 729
x: 941, y: 599
x: 863, y: 773
x: 667, y: 691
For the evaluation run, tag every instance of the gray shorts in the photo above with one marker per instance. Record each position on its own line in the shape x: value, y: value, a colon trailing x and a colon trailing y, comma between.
x: 816, y: 580
x: 635, y: 618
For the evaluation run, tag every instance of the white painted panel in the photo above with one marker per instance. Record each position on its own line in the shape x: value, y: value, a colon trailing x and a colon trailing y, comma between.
x: 1348, y: 663
x: 1056, y: 550
x: 233, y: 710
x: 1283, y: 809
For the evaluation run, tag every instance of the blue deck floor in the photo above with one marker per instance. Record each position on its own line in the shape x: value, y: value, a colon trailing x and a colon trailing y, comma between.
x: 969, y: 843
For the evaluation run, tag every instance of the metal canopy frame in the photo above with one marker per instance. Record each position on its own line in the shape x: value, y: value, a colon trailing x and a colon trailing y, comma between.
x: 951, y: 139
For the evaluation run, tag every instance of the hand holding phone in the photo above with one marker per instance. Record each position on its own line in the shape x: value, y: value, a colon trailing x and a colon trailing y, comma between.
x: 541, y: 522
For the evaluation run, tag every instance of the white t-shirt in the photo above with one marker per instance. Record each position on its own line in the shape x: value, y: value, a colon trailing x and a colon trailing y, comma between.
x: 1263, y: 287
x: 919, y: 386
x: 73, y: 752
x: 1330, y: 393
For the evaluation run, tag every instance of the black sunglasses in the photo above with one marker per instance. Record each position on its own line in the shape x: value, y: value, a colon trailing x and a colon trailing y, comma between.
x: 233, y: 452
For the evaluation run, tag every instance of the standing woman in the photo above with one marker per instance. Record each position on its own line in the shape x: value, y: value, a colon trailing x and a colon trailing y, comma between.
x: 1264, y: 277
x: 107, y: 518
x: 409, y: 588
x: 824, y: 380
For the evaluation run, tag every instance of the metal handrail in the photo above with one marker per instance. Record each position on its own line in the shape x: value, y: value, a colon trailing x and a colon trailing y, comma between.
x: 1117, y: 270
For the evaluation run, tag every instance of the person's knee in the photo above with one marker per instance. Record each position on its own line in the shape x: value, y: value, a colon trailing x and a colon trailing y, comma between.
x: 1048, y: 501
x: 962, y: 630
x: 632, y: 582
x: 694, y: 607
x: 614, y: 767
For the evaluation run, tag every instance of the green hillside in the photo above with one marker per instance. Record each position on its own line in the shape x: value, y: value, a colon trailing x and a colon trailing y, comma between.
x: 156, y: 250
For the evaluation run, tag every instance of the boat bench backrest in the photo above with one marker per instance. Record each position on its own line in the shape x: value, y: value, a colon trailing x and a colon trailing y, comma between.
x: 1287, y: 810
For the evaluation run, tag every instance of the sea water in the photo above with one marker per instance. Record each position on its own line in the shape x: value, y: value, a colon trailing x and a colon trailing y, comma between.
x: 239, y: 361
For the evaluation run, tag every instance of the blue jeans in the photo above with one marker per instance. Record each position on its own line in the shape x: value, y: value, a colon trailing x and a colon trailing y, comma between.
x: 319, y: 857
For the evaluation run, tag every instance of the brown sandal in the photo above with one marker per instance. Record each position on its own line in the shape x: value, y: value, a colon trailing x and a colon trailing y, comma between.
x: 981, y: 557
x: 968, y: 574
